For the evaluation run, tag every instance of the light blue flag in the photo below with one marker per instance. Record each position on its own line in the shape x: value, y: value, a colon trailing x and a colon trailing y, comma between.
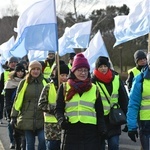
x: 77, y: 36
x: 37, y: 28
x: 96, y: 48
x: 133, y: 25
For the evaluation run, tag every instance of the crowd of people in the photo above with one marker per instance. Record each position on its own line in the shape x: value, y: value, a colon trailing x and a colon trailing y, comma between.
x: 67, y: 107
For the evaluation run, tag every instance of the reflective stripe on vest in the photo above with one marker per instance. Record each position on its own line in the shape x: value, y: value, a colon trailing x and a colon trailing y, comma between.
x: 134, y: 70
x: 113, y: 98
x: 52, y: 101
x: 145, y: 103
x: 48, y: 70
x: 81, y: 108
x: 19, y: 100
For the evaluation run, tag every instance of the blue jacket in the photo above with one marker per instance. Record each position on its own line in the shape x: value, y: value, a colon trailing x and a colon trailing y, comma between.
x: 135, y: 98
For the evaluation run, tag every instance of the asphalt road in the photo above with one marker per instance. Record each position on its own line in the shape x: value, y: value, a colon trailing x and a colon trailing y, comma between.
x: 125, y: 142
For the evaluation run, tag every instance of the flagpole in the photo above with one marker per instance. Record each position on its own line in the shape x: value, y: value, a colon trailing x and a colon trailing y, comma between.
x: 149, y: 43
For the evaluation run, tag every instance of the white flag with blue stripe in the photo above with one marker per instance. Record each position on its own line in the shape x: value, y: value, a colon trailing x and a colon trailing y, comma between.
x: 77, y: 36
x: 133, y: 25
x: 96, y: 48
x: 37, y: 28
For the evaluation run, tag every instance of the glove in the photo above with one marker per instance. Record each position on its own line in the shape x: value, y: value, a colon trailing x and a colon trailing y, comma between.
x: 13, y: 121
x: 103, y: 134
x: 64, y: 123
x: 133, y: 135
x: 125, y: 129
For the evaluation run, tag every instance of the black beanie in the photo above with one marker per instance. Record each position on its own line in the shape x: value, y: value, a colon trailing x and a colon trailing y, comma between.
x: 102, y: 60
x: 71, y: 55
x: 19, y: 67
x: 139, y: 54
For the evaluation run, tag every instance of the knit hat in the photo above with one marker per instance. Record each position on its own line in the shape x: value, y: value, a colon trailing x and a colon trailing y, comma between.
x: 34, y: 64
x: 13, y: 59
x: 79, y: 62
x: 102, y: 60
x: 64, y: 69
x: 71, y: 55
x: 19, y: 67
x: 139, y: 54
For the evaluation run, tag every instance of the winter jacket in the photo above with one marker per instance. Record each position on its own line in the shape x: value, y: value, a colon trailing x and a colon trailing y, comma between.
x: 81, y: 136
x: 122, y: 101
x: 30, y: 117
x: 135, y: 100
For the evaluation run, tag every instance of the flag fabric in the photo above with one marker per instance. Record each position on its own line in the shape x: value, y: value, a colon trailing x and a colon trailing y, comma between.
x: 5, y: 48
x: 77, y: 36
x: 133, y: 25
x: 96, y: 48
x: 37, y: 55
x: 37, y: 28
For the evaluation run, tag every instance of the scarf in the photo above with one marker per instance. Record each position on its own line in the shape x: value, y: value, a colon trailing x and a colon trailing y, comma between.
x: 78, y: 86
x: 105, y: 78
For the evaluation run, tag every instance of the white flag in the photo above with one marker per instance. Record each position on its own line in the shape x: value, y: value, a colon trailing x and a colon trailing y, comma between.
x: 37, y: 55
x: 77, y: 36
x: 133, y: 25
x: 37, y: 28
x: 96, y: 48
x: 5, y: 48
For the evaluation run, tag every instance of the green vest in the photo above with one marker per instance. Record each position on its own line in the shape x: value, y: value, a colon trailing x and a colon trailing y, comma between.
x: 48, y: 70
x: 19, y: 100
x: 52, y: 101
x: 134, y: 70
x: 82, y: 108
x: 145, y: 103
x: 113, y: 98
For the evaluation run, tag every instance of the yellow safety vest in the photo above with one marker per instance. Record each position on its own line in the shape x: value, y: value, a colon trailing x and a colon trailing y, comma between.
x: 48, y: 70
x: 81, y: 108
x: 134, y: 70
x: 19, y: 100
x: 113, y: 98
x: 145, y: 103
x: 52, y: 101
x: 69, y: 66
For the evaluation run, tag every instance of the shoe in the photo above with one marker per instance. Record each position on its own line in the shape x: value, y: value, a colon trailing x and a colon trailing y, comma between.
x: 12, y: 146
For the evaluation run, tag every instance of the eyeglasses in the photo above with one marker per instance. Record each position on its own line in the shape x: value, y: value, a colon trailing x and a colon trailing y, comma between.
x: 82, y: 70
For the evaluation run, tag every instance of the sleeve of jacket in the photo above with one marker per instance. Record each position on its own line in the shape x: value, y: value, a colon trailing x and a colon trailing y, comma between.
x: 60, y: 104
x: 130, y: 80
x: 123, y: 97
x: 100, y: 114
x: 135, y: 98
x: 43, y: 103
x: 14, y: 112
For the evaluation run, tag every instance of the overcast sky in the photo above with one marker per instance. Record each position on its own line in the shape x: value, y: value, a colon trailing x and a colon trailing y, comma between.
x: 23, y: 4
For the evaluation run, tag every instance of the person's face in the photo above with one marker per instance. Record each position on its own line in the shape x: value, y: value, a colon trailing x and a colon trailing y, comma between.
x: 12, y: 65
x: 63, y: 78
x: 35, y: 72
x: 19, y: 74
x: 51, y: 55
x: 142, y: 62
x: 103, y: 69
x: 81, y: 73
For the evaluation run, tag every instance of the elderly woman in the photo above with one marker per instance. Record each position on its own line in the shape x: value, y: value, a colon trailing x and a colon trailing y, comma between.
x: 25, y: 112
x: 79, y: 109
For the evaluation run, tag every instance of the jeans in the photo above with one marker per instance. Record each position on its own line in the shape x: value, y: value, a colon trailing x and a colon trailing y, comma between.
x: 52, y: 144
x: 10, y: 132
x: 113, y: 143
x: 30, y: 139
x: 145, y: 141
